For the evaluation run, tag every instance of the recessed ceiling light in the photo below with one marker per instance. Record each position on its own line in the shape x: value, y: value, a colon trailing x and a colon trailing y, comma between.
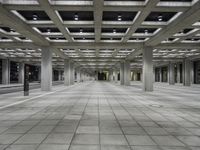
x: 160, y: 18
x: 35, y: 17
x: 114, y: 31
x: 76, y: 16
x: 119, y: 17
x: 81, y: 30
x: 48, y: 30
x: 11, y: 30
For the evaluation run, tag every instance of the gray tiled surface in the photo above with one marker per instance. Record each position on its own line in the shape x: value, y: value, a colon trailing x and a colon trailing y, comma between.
x: 103, y: 116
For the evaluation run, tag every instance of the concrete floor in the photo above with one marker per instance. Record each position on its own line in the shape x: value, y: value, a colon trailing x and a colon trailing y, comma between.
x: 102, y: 116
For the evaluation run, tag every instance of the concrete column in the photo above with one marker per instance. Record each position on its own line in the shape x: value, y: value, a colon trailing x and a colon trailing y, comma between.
x: 127, y: 73
x: 67, y: 72
x: 59, y: 75
x: 148, y: 69
x: 160, y: 73
x: 39, y: 74
x: 21, y: 73
x: 192, y: 73
x: 186, y: 72
x: 72, y: 75
x: 52, y: 74
x: 115, y: 75
x: 81, y: 76
x: 111, y: 75
x: 5, y: 71
x: 171, y: 74
x: 122, y: 73
x: 178, y: 74
x: 46, y: 69
x: 78, y: 75
x: 154, y: 74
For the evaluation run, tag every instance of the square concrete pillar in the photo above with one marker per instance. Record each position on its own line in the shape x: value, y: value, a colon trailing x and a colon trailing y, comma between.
x: 127, y: 73
x: 171, y: 73
x: 192, y: 72
x: 122, y: 73
x: 110, y: 75
x: 5, y: 71
x: 67, y: 73
x: 160, y: 73
x: 115, y: 75
x: 186, y: 72
x: 59, y: 75
x: 21, y: 73
x: 72, y: 76
x: 46, y: 69
x: 39, y: 74
x: 78, y: 75
x: 148, y: 69
x: 178, y: 73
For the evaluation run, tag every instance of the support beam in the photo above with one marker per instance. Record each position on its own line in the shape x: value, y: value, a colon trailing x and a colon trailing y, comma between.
x: 111, y: 75
x: 115, y: 75
x: 147, y: 69
x: 140, y: 17
x: 122, y: 73
x: 45, y: 4
x: 21, y: 73
x: 21, y: 27
x: 5, y: 71
x: 67, y: 73
x: 178, y: 73
x: 186, y: 70
x: 98, y: 14
x: 160, y: 74
x: 171, y: 74
x: 127, y: 73
x: 46, y: 69
x: 186, y: 19
x: 72, y: 73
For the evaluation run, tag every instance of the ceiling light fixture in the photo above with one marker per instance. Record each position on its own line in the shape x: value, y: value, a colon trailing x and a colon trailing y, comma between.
x: 160, y: 18
x: 76, y: 16
x: 35, y: 17
x: 119, y: 17
x: 81, y: 30
x: 11, y: 30
x: 114, y: 31
x: 48, y: 30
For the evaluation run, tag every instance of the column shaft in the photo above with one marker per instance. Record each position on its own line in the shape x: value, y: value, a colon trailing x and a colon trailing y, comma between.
x: 171, y: 74
x: 148, y: 69
x: 5, y: 71
x: 178, y: 74
x: 160, y: 73
x: 127, y: 73
x: 72, y: 73
x: 78, y: 75
x: 67, y: 72
x: 122, y: 73
x: 21, y: 73
x: 46, y: 69
x: 187, y: 66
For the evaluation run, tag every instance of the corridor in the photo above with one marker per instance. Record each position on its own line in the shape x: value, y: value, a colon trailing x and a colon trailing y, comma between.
x: 101, y: 116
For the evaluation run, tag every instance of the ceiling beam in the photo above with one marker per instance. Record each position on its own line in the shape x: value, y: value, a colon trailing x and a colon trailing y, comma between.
x: 186, y: 19
x: 140, y: 17
x: 21, y: 27
x: 46, y: 6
